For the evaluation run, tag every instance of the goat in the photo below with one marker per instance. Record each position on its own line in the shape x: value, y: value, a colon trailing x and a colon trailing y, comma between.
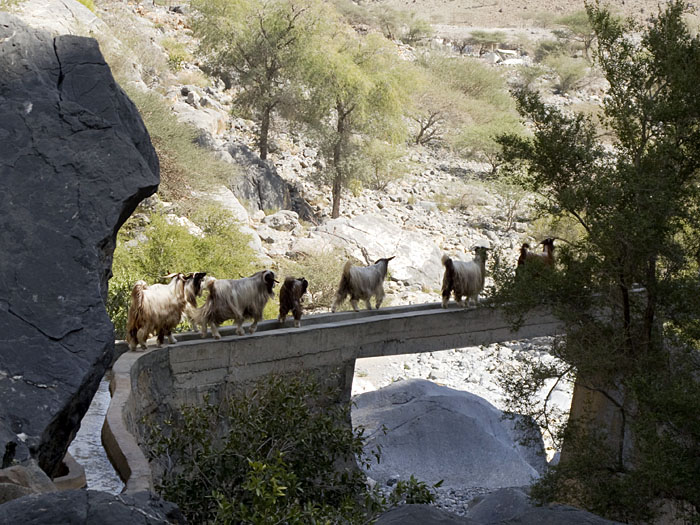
x: 362, y: 282
x: 235, y: 299
x: 545, y: 258
x: 155, y: 309
x: 464, y: 278
x: 291, y: 295
x: 196, y: 282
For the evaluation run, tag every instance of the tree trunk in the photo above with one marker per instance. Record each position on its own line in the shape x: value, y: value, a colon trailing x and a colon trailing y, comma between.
x: 264, y: 131
x: 337, y: 160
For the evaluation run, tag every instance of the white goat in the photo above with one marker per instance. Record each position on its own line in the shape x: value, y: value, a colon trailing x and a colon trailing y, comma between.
x: 464, y: 278
x: 362, y: 282
x: 155, y: 309
x: 235, y: 299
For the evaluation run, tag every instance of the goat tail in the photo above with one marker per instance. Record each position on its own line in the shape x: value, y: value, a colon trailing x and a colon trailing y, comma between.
x: 446, y: 261
x: 346, y: 269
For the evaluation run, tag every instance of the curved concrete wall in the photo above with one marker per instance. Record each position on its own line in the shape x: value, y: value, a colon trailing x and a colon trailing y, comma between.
x: 150, y: 384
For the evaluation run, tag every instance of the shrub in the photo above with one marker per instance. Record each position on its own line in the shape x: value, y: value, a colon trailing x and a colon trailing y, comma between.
x: 223, y: 252
x: 548, y: 48
x: 177, y: 54
x: 273, y: 455
x: 570, y: 71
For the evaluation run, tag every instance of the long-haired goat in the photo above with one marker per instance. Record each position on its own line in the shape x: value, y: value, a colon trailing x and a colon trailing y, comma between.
x: 194, y: 287
x: 464, y: 278
x: 155, y: 309
x: 235, y: 299
x: 291, y: 295
x: 362, y: 282
x: 544, y: 258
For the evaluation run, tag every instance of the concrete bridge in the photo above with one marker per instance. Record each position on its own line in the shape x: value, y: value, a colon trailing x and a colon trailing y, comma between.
x: 149, y: 384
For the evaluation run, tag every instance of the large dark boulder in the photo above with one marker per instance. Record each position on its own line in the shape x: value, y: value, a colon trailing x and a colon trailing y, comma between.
x: 421, y: 515
x: 75, y: 160
x: 262, y: 188
x: 89, y: 507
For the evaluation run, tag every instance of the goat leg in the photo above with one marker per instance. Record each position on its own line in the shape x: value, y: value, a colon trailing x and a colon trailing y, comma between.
x: 253, y: 327
x: 239, y: 326
x: 215, y: 331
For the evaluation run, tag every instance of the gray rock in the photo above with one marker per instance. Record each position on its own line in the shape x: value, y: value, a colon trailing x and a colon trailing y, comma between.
x: 75, y: 160
x: 512, y: 505
x: 262, y: 188
x: 417, y: 257
x: 284, y: 220
x: 90, y: 506
x: 437, y: 433
x: 421, y: 515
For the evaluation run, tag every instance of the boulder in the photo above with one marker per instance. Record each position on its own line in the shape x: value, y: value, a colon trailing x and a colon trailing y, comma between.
x: 262, y: 188
x: 90, y: 506
x: 284, y: 220
x: 421, y: 515
x: 512, y: 505
x: 75, y: 160
x: 417, y: 256
x: 437, y: 433
x: 70, y: 17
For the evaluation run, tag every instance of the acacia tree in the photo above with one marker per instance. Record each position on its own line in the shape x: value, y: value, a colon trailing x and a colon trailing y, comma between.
x: 260, y: 43
x: 627, y: 290
x: 355, y: 92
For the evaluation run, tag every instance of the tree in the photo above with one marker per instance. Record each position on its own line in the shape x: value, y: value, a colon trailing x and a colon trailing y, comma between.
x: 627, y: 289
x: 478, y: 141
x: 486, y: 40
x: 260, y: 43
x: 356, y: 91
x: 577, y: 27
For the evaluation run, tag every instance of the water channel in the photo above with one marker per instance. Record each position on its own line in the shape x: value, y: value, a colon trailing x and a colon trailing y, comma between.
x: 87, y: 447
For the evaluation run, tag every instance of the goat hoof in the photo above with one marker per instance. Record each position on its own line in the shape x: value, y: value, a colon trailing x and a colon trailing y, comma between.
x: 297, y: 324
x: 240, y: 331
x: 217, y: 336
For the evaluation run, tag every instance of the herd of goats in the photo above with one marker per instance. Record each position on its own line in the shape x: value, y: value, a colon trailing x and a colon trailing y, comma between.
x: 157, y: 309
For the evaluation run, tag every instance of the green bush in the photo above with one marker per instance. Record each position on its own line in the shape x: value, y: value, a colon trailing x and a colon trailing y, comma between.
x: 223, y: 252
x: 177, y: 54
x: 549, y: 48
x: 570, y: 72
x: 273, y: 455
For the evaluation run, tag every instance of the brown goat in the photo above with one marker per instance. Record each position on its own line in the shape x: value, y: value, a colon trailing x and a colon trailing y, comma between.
x: 291, y: 295
x: 545, y: 258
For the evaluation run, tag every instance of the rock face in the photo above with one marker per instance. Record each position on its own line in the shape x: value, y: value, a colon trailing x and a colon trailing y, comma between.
x: 437, y: 433
x: 75, y: 160
x: 421, y: 515
x: 262, y: 186
x: 418, y: 258
x: 89, y: 506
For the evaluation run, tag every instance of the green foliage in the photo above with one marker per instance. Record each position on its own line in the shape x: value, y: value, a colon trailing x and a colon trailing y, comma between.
x: 356, y: 91
x: 486, y: 39
x: 260, y: 44
x: 577, y: 27
x: 177, y: 53
x: 478, y: 142
x: 549, y: 48
x: 570, y: 72
x: 8, y: 5
x: 385, y: 164
x: 636, y: 205
x: 278, y: 454
x: 414, y: 492
x: 418, y: 29
x: 223, y: 252
x: 90, y: 4
x: 183, y: 164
